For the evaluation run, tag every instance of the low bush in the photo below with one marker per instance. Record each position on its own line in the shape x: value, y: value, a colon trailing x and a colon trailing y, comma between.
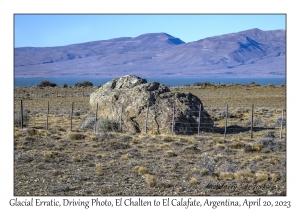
x: 170, y: 153
x: 202, y: 84
x: 207, y: 162
x: 150, y: 180
x: 89, y: 123
x: 193, y: 181
x: 261, y: 176
x: 76, y: 136
x: 253, y: 148
x: 141, y: 170
x: 271, y: 145
x: 106, y: 125
x: 17, y: 118
x: 256, y: 122
x: 270, y: 134
x: 278, y: 121
x: 103, y: 136
x: 226, y: 167
x: 31, y: 131
x: 245, y: 175
x: 84, y: 84
x: 46, y: 83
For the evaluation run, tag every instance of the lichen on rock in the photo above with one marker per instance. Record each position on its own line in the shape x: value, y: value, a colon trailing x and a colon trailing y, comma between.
x: 134, y: 93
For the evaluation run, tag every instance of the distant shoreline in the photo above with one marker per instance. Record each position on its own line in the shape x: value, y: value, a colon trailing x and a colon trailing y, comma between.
x: 26, y: 82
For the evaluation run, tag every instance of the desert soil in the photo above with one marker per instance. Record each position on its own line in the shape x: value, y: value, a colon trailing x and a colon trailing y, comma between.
x: 80, y: 162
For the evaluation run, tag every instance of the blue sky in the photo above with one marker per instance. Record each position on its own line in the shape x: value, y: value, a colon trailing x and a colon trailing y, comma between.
x: 40, y: 30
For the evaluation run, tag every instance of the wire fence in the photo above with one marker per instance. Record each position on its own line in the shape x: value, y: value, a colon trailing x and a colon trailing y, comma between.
x: 222, y: 120
x: 51, y: 93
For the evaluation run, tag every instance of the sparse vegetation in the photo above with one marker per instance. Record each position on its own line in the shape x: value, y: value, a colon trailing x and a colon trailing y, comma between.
x: 142, y: 170
x: 75, y: 136
x: 123, y: 164
x: 150, y: 180
x: 18, y: 117
x: 84, y: 84
x: 106, y: 125
x: 46, y: 83
x: 193, y: 181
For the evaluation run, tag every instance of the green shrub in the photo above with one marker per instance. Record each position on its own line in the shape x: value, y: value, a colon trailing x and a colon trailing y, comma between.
x: 46, y: 83
x: 84, y: 84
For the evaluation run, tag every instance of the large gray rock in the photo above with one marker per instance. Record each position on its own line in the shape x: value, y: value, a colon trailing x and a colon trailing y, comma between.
x: 134, y: 93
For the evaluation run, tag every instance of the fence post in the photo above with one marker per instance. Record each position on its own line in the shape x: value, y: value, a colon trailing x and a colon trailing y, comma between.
x: 199, y: 120
x: 173, y: 118
x: 96, y: 118
x: 22, y: 114
x: 281, y: 124
x: 226, y: 121
x: 121, y: 118
x: 251, y: 132
x: 47, y: 116
x: 147, y: 117
x: 71, y: 116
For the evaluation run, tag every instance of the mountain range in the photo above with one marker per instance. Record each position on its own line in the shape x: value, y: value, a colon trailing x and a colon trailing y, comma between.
x: 252, y: 53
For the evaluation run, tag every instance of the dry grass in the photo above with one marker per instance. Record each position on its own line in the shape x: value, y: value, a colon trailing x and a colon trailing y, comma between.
x: 150, y: 180
x: 170, y: 153
x: 226, y: 175
x: 50, y: 154
x: 125, y: 157
x: 76, y: 136
x: 193, y: 181
x: 163, y: 164
x: 261, y: 176
x: 274, y: 177
x: 253, y: 148
x: 142, y: 170
x: 245, y: 175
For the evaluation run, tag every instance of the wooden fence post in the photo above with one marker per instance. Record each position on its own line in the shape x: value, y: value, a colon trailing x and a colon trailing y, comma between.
x: 147, y: 117
x: 21, y: 114
x: 71, y: 116
x: 225, y: 130
x: 281, y: 124
x: 47, y: 116
x: 251, y: 132
x: 96, y: 118
x: 199, y: 120
x: 173, y: 118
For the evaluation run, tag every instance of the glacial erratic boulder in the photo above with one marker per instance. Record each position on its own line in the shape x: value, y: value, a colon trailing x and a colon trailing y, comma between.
x: 134, y: 93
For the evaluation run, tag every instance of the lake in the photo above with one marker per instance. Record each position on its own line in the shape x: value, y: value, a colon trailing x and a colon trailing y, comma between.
x: 23, y: 82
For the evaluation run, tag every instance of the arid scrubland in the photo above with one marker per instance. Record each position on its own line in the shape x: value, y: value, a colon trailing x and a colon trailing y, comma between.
x: 80, y: 162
